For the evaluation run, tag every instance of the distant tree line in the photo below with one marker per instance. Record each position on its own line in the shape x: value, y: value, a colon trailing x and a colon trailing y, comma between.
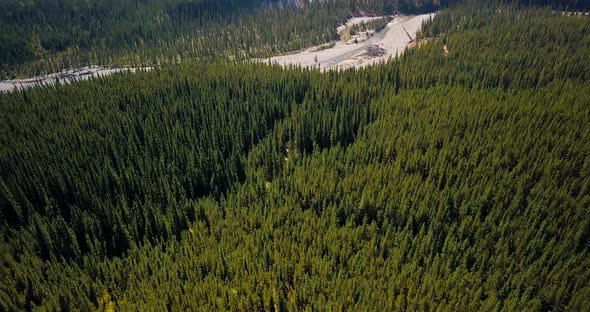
x: 47, y: 36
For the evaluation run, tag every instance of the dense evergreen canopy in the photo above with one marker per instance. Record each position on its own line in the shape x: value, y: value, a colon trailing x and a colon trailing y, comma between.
x: 456, y: 177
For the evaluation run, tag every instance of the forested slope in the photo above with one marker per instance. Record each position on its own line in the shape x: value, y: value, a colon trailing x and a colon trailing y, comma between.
x: 454, y: 181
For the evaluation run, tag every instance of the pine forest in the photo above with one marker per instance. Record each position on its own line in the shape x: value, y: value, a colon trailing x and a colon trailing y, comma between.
x: 455, y: 177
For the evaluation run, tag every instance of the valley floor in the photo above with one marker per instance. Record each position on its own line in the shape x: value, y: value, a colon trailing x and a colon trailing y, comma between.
x: 390, y: 41
x: 65, y: 76
x: 387, y: 43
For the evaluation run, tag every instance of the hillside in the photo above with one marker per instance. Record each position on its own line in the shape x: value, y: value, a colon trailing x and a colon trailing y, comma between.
x: 455, y: 177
